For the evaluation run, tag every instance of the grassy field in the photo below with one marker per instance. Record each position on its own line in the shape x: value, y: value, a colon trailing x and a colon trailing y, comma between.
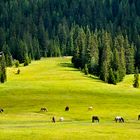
x: 54, y: 84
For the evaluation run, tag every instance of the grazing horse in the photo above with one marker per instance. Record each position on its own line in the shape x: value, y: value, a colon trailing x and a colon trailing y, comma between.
x: 120, y: 119
x: 90, y: 108
x: 18, y: 71
x: 95, y: 118
x: 53, y: 119
x: 1, y: 110
x: 138, y: 117
x: 67, y: 108
x: 44, y: 109
x: 61, y: 119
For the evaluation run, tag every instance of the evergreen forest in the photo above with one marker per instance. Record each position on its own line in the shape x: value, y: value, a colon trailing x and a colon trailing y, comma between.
x: 102, y: 36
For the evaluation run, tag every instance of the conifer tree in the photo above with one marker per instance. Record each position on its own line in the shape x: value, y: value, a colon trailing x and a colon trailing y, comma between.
x: 111, y: 77
x: 86, y: 69
x: 8, y: 56
x: 26, y: 60
x: 88, y: 47
x: 81, y: 45
x: 106, y: 58
x: 136, y: 78
x: 3, y: 75
x: 35, y: 43
x: 94, y: 54
x: 129, y: 56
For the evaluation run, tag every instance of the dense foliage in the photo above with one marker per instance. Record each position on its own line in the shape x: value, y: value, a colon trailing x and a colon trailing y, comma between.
x: 102, y: 35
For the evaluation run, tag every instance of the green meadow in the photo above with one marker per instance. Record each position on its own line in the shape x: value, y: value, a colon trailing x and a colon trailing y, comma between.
x: 53, y: 83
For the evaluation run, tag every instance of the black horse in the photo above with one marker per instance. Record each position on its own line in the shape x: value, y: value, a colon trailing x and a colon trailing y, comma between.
x: 119, y: 119
x: 53, y: 119
x: 138, y: 117
x: 95, y: 118
x: 67, y: 108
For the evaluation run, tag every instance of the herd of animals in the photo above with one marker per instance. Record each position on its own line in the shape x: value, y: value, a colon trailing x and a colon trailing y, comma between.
x: 94, y: 118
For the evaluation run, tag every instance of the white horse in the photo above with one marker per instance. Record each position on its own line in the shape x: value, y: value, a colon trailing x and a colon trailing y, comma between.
x: 119, y: 118
x: 61, y: 119
x: 90, y: 108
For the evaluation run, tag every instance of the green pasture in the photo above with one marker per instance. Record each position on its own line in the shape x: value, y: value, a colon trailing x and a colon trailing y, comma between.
x: 53, y: 83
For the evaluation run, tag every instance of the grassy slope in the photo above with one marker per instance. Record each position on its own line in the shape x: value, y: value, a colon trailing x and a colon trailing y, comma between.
x: 53, y: 83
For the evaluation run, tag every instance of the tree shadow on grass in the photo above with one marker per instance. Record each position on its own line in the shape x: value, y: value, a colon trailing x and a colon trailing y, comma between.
x: 93, y: 77
x: 68, y: 65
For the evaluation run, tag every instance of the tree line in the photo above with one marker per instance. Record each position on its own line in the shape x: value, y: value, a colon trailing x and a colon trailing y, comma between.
x: 100, y: 54
x: 103, y: 36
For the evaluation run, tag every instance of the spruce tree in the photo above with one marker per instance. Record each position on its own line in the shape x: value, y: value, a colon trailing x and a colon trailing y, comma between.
x: 129, y: 56
x: 136, y: 79
x: 111, y: 77
x: 8, y: 56
x: 105, y: 58
x: 81, y: 45
x: 86, y: 69
x: 26, y: 60
x: 36, y: 48
x: 94, y: 54
x: 3, y: 75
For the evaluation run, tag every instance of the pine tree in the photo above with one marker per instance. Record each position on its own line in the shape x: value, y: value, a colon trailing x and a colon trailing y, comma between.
x: 26, y: 60
x: 116, y: 66
x: 119, y: 58
x: 81, y: 45
x: 76, y: 51
x: 105, y: 58
x: 129, y: 56
x: 8, y: 56
x: 36, y: 48
x: 88, y: 47
x: 136, y: 79
x: 94, y: 53
x: 111, y: 77
x: 86, y: 69
x: 3, y: 75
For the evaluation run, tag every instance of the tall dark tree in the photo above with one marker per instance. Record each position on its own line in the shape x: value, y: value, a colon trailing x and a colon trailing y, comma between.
x: 8, y: 56
x: 35, y: 44
x: 136, y: 78
x: 106, y: 58
x: 129, y: 57
x: 3, y: 75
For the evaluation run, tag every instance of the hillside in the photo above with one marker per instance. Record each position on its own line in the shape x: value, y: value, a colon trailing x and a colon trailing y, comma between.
x: 54, y: 83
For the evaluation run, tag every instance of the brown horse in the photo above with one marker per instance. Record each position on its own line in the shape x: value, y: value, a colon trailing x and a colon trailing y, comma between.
x: 44, y: 109
x: 95, y: 118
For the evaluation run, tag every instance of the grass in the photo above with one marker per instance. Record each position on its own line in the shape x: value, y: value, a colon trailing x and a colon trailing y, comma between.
x: 54, y: 83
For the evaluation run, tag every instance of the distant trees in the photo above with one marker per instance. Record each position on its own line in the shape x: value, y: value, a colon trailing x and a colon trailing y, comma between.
x: 102, y: 35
